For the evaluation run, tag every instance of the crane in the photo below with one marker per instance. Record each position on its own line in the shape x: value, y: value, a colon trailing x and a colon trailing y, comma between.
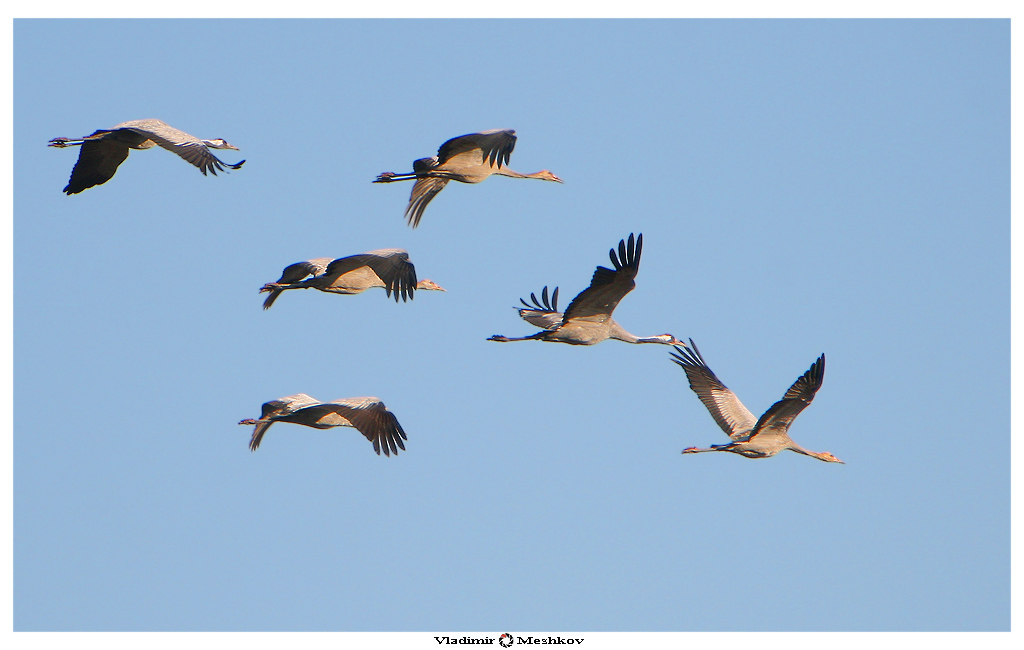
x: 388, y: 267
x: 469, y: 158
x: 104, y: 150
x: 368, y: 415
x: 752, y: 437
x: 588, y: 318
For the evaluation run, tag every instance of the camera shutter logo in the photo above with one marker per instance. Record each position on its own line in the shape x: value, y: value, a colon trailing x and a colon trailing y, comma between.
x: 505, y: 640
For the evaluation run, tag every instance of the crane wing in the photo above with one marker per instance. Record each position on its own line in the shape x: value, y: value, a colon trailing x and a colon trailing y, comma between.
x: 294, y: 273
x: 372, y: 419
x: 393, y: 267
x: 189, y: 147
x: 727, y: 409
x: 543, y: 313
x: 97, y: 162
x: 257, y: 433
x: 799, y: 396
x: 300, y: 270
x: 495, y: 147
x: 275, y: 410
x: 608, y: 287
x: 425, y: 189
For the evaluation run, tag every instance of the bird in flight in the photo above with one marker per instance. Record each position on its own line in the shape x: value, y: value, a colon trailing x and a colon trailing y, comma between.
x: 389, y: 268
x: 752, y: 437
x: 368, y: 415
x: 104, y: 150
x: 469, y: 158
x: 588, y: 318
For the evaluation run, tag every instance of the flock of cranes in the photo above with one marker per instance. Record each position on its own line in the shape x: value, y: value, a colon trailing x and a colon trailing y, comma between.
x: 587, y: 320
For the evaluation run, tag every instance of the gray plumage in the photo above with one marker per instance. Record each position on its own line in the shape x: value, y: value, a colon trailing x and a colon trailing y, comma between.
x: 751, y: 437
x: 588, y: 318
x: 104, y: 150
x: 368, y: 415
x: 469, y: 158
x: 389, y: 268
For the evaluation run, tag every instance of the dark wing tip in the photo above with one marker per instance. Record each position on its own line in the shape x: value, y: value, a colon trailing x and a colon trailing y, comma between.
x: 633, y: 249
x: 688, y: 356
x: 544, y: 304
x: 628, y: 253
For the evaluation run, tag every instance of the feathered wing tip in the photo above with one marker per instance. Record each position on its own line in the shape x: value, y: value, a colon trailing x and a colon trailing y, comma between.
x: 257, y: 433
x: 543, y: 304
x: 629, y: 254
x: 688, y: 356
x: 387, y: 434
x: 501, y: 155
x: 408, y: 284
x: 274, y: 293
x: 806, y: 387
x: 391, y: 438
x: 403, y: 276
x: 423, y: 191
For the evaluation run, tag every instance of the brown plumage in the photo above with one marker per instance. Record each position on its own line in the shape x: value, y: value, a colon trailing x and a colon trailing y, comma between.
x: 588, y: 318
x: 389, y: 268
x: 752, y: 437
x: 469, y: 158
x: 368, y: 415
x: 104, y: 150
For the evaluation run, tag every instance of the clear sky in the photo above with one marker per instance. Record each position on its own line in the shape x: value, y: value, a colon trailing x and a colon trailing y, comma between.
x: 803, y: 187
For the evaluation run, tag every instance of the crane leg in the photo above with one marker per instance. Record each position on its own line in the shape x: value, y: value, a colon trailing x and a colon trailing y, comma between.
x: 506, y: 339
x: 695, y: 450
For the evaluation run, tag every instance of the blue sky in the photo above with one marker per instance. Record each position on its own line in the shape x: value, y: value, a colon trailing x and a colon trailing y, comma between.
x: 802, y: 187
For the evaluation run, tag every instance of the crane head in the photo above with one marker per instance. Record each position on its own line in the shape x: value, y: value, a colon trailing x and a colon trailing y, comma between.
x: 548, y: 176
x: 219, y: 143
x: 248, y: 421
x: 829, y: 458
x: 429, y: 285
x: 667, y: 339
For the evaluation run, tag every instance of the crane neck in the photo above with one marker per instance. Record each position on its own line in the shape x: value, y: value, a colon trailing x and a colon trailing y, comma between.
x: 505, y: 171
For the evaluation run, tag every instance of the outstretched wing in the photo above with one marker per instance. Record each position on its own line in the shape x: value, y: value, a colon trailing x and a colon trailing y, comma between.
x: 608, y: 287
x: 727, y: 409
x: 372, y: 419
x: 276, y: 409
x: 543, y: 313
x: 301, y: 270
x: 799, y: 396
x: 494, y: 146
x: 97, y: 162
x: 390, y: 265
x: 189, y: 147
x: 393, y: 267
x: 423, y: 190
x: 294, y: 273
